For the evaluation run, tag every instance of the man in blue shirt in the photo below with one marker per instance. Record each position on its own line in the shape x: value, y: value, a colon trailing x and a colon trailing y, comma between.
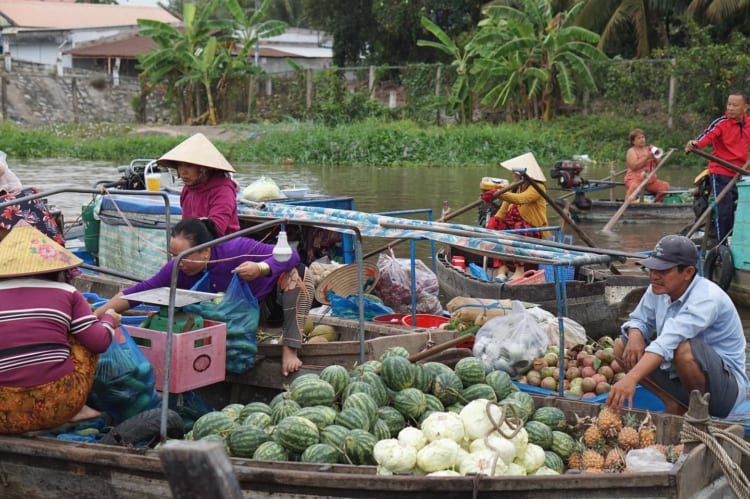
x: 685, y: 334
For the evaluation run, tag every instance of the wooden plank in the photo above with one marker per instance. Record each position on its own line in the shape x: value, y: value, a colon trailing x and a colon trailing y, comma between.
x: 199, y: 469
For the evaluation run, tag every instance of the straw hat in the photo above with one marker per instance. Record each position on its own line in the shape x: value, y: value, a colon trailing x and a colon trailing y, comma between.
x: 344, y: 281
x: 196, y: 150
x: 26, y: 251
x: 525, y: 163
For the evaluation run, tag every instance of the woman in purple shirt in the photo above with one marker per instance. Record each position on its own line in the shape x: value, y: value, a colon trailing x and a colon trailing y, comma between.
x: 250, y: 259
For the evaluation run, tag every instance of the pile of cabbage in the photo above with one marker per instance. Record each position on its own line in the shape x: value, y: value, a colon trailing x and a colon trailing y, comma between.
x: 468, y: 443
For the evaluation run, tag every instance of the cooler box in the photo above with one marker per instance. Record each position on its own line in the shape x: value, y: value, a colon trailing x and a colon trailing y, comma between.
x: 199, y: 357
x: 136, y: 247
x: 740, y: 245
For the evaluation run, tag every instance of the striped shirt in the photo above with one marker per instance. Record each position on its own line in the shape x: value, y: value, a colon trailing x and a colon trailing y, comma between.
x: 36, y: 316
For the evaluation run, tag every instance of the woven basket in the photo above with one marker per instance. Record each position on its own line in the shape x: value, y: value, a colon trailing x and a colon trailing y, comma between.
x: 343, y: 281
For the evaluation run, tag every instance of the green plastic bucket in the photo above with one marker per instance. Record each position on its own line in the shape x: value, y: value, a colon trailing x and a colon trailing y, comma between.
x: 90, y: 229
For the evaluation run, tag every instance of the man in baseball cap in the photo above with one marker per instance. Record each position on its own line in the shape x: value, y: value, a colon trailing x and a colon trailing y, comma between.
x: 685, y: 334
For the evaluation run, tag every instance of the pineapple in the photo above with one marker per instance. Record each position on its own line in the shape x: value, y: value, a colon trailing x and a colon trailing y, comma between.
x: 629, y: 438
x: 615, y: 461
x: 609, y: 423
x: 592, y: 460
x: 647, y: 431
x: 593, y: 437
x: 575, y: 459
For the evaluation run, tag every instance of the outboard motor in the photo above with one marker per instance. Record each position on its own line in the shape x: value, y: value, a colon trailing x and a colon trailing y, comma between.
x: 567, y: 173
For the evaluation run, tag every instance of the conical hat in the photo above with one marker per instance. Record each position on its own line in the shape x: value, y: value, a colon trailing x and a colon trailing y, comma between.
x: 526, y: 163
x: 26, y: 251
x: 196, y: 150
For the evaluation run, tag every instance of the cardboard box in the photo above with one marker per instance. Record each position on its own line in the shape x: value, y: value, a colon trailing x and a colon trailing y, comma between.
x: 198, y: 357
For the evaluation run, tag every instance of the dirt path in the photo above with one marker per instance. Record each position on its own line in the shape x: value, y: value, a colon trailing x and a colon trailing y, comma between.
x: 217, y: 132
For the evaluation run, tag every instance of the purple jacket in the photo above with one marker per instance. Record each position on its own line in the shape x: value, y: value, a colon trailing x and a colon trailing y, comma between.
x: 226, y: 257
x: 216, y: 198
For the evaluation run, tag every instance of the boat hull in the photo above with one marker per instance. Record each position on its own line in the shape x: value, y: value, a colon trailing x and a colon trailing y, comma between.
x: 602, y: 211
x: 599, y: 306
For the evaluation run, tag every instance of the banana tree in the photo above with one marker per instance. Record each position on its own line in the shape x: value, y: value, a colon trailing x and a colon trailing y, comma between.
x: 206, y: 68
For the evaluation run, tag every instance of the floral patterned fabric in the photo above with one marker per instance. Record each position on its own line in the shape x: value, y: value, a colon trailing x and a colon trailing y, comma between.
x: 35, y: 213
x: 47, y: 406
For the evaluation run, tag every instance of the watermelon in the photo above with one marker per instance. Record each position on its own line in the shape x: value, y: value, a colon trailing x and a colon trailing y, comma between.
x: 313, y: 392
x: 397, y: 373
x: 270, y: 451
x: 245, y: 440
x: 381, y: 430
x: 433, y: 403
x: 397, y: 350
x: 539, y: 434
x: 321, y: 415
x: 501, y: 382
x: 296, y: 434
x: 410, y: 402
x: 553, y: 461
x: 470, y: 370
x: 233, y: 411
x: 259, y: 419
x: 394, y: 419
x: 216, y: 438
x: 514, y: 409
x: 280, y: 397
x: 478, y: 391
x: 358, y: 445
x: 369, y: 366
x: 353, y: 418
x: 447, y: 387
x: 213, y: 423
x: 562, y: 443
x: 455, y: 407
x: 302, y: 379
x: 435, y: 368
x: 337, y: 376
x: 365, y: 402
x: 358, y: 387
x: 284, y: 408
x: 254, y: 407
x: 333, y: 435
x: 551, y: 416
x: 379, y: 390
x: 423, y: 378
x: 525, y: 399
x: 320, y: 453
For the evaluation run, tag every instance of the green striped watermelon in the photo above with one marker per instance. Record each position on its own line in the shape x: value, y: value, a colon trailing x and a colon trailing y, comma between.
x: 302, y: 379
x: 320, y: 453
x: 337, y: 376
x: 397, y: 350
x: 369, y: 366
x: 358, y: 445
x: 478, y: 391
x: 358, y: 387
x: 213, y: 423
x: 381, y: 430
x: 501, y: 382
x: 321, y: 415
x: 296, y: 434
x: 433, y: 403
x: 284, y: 408
x: 271, y: 451
x: 333, y: 435
x: 525, y: 400
x: 539, y: 434
x: 365, y: 402
x: 353, y: 418
x: 423, y: 378
x: 410, y: 402
x: 379, y: 390
x: 551, y: 416
x: 470, y: 370
x: 562, y: 443
x: 278, y: 398
x: 435, y: 368
x: 397, y: 372
x: 233, y: 411
x: 245, y: 440
x: 394, y: 419
x: 254, y: 407
x: 553, y: 461
x: 313, y: 392
x: 259, y: 419
x: 447, y: 387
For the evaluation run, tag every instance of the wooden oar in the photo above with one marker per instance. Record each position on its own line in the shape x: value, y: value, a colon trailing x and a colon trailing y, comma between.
x: 446, y: 217
x: 635, y: 193
x: 610, y: 176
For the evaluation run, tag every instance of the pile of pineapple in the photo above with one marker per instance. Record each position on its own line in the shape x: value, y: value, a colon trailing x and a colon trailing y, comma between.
x: 606, y: 439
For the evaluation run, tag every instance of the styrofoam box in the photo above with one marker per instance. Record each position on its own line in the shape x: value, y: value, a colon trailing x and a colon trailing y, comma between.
x: 199, y: 357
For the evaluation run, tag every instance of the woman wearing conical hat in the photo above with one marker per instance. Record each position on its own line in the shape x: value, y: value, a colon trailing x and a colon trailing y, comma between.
x: 522, y: 208
x: 209, y: 191
x: 49, y: 337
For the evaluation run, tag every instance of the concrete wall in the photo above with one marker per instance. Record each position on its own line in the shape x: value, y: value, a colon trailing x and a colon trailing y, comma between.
x: 34, y: 95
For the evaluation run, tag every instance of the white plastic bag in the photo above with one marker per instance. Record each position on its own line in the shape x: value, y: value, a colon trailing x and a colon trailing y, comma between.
x: 648, y: 459
x: 262, y: 189
x: 575, y: 334
x: 510, y: 342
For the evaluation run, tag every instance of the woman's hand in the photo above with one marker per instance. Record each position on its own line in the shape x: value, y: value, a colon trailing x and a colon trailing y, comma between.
x: 116, y: 318
x: 249, y: 270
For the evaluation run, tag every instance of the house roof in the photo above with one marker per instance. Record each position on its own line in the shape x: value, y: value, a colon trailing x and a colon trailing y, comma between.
x: 66, y: 15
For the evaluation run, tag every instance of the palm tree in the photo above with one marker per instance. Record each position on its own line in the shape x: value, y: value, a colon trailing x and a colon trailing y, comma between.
x: 533, y: 54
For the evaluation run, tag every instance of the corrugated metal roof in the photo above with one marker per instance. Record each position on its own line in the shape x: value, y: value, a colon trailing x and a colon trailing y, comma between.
x: 123, y: 47
x: 65, y: 15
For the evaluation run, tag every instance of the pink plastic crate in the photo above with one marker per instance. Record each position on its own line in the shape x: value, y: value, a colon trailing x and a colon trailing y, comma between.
x: 199, y: 357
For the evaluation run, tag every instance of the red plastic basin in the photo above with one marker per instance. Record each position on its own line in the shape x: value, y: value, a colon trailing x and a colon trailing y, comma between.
x: 389, y: 319
x: 426, y: 320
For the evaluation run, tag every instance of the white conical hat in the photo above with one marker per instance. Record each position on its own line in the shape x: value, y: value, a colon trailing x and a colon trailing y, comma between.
x: 196, y: 150
x: 26, y: 251
x: 526, y: 163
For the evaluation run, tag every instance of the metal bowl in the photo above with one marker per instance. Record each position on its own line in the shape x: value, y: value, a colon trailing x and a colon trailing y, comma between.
x: 295, y: 193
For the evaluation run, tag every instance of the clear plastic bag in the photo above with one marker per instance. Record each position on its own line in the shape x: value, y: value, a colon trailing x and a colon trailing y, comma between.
x: 575, y: 334
x: 510, y: 342
x: 646, y: 460
x: 394, y: 285
x: 262, y: 189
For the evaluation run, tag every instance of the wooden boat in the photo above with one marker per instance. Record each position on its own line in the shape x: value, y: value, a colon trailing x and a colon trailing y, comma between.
x: 599, y: 306
x: 602, y: 210
x: 42, y: 467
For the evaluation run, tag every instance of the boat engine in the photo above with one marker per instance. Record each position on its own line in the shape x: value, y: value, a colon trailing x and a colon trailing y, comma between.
x: 567, y: 173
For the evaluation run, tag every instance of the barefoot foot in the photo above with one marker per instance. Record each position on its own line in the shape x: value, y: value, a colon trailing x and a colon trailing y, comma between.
x: 290, y: 363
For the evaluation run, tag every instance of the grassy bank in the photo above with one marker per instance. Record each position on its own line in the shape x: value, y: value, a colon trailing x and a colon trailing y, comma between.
x: 603, y: 138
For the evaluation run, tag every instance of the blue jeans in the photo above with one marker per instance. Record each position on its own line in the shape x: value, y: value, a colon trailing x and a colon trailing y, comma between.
x: 724, y: 210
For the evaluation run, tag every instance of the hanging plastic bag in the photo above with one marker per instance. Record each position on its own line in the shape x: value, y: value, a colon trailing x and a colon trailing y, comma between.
x: 394, y: 285
x: 124, y: 383
x: 510, y: 342
x: 262, y: 189
x: 347, y: 307
x: 239, y: 309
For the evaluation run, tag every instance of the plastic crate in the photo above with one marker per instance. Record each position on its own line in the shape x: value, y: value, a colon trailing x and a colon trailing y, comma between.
x: 199, y: 357
x: 568, y: 272
x: 643, y: 398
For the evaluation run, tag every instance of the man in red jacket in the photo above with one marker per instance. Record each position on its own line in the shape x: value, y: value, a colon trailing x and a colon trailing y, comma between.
x: 730, y: 137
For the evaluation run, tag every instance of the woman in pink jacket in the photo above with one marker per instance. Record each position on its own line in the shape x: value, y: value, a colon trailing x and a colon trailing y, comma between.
x: 209, y: 191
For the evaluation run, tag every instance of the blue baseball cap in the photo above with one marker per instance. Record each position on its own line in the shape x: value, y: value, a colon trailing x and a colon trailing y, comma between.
x: 671, y: 251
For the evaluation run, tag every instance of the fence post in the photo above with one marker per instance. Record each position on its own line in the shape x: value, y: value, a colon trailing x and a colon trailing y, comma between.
x: 308, y: 88
x: 438, y: 75
x: 269, y: 87
x: 4, y: 90
x: 251, y: 90
x: 371, y: 81
x: 142, y: 102
x: 74, y: 98
x: 672, y: 89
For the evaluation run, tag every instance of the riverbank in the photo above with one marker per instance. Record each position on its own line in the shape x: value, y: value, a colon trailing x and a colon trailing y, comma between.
x: 602, y: 138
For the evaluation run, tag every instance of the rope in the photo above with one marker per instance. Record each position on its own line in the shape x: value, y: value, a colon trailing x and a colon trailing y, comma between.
x: 738, y: 482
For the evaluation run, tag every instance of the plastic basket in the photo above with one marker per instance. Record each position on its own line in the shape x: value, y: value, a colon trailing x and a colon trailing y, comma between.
x: 425, y: 320
x: 568, y: 272
x: 344, y: 281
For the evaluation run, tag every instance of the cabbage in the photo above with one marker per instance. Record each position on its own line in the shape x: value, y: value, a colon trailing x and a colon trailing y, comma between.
x: 438, y: 455
x: 546, y: 471
x: 394, y: 456
x: 443, y: 425
x: 515, y: 469
x: 497, y: 444
x: 520, y: 440
x: 474, y: 417
x: 532, y: 459
x: 413, y: 437
x: 382, y: 471
x: 481, y: 463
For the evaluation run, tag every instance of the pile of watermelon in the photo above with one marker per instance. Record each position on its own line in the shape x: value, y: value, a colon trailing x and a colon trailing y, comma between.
x: 338, y: 416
